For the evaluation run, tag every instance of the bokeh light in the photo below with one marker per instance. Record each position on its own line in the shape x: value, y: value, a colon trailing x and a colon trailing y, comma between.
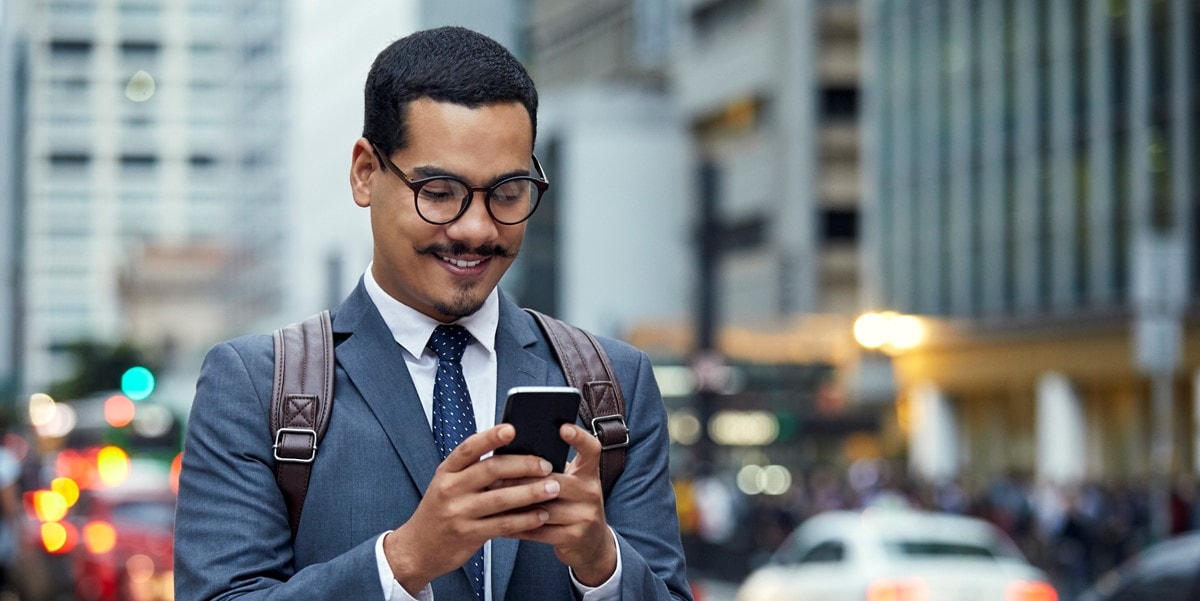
x: 119, y: 411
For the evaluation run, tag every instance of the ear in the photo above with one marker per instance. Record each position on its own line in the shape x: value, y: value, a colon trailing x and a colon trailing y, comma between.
x: 363, y: 167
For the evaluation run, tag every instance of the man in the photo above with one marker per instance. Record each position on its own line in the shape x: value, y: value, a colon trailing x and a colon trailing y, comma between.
x: 445, y: 167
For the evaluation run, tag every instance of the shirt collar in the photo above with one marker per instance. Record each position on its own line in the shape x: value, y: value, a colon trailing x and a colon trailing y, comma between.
x: 412, y: 329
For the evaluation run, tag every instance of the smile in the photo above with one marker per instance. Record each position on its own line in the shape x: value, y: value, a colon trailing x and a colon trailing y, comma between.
x: 459, y: 263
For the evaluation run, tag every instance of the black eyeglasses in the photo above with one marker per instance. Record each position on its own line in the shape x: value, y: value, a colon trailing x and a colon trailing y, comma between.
x: 441, y: 199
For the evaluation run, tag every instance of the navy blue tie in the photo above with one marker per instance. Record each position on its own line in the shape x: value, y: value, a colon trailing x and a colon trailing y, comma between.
x: 453, y: 414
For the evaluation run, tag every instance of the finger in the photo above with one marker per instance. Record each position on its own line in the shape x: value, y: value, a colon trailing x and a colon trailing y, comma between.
x: 514, y: 523
x: 587, y: 450
x: 477, y: 445
x: 495, y: 502
x: 502, y: 471
x: 511, y: 482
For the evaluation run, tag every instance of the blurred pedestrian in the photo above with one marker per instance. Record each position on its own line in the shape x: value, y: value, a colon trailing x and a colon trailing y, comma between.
x: 10, y: 508
x: 445, y: 167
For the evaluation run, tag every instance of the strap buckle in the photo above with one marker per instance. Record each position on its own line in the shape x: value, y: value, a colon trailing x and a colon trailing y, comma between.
x: 596, y: 421
x: 312, y: 445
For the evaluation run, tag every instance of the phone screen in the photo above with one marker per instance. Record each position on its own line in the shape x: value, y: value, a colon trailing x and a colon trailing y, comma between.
x: 537, y: 413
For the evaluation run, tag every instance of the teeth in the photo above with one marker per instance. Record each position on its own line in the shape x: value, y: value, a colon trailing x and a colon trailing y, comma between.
x: 461, y: 263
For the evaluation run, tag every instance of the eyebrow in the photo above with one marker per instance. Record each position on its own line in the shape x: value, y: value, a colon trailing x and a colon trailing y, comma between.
x: 427, y: 171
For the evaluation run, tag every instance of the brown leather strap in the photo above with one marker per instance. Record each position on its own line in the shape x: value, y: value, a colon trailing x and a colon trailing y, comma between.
x: 586, y: 367
x: 301, y: 400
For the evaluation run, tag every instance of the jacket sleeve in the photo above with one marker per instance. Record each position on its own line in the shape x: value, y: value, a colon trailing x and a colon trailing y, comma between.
x: 232, y: 539
x: 641, y: 508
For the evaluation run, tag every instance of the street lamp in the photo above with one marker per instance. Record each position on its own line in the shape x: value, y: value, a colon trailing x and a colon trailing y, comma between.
x: 888, y: 331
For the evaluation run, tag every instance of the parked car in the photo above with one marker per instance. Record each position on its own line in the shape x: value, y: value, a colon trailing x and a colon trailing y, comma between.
x: 126, y: 542
x: 1168, y: 571
x: 896, y: 554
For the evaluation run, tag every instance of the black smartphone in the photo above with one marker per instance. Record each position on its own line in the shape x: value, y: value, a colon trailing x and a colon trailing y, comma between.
x: 537, y: 412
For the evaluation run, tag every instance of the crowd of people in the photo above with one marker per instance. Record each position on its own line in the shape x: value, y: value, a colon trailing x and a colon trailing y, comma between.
x: 1074, y: 533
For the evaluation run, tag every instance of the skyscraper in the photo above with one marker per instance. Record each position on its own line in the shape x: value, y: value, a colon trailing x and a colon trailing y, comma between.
x: 1031, y: 187
x: 149, y: 124
x: 12, y: 119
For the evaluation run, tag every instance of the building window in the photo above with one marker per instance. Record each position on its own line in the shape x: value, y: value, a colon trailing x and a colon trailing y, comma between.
x: 70, y: 161
x: 202, y: 161
x: 138, y: 163
x: 839, y: 103
x: 136, y: 54
x: 839, y: 226
x: 70, y: 50
x: 712, y: 16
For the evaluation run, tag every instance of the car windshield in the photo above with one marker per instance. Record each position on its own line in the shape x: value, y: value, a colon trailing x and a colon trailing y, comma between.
x: 938, y: 548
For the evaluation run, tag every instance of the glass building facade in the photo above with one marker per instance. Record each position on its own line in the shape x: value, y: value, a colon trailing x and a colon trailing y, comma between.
x: 1021, y: 149
x: 1029, y: 189
x: 149, y: 124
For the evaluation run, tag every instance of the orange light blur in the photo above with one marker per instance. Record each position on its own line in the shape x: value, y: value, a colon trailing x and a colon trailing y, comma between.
x: 99, y: 537
x: 59, y: 537
x: 49, y: 505
x: 119, y: 411
x: 76, y: 466
x: 1024, y: 590
x: 113, y: 465
x: 176, y: 469
x: 898, y: 590
x: 140, y: 568
x: 67, y: 488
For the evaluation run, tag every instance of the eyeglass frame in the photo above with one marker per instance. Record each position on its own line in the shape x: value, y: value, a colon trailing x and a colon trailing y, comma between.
x: 542, y: 183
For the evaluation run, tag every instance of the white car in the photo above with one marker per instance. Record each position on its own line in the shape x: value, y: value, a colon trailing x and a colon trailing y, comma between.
x: 886, y: 554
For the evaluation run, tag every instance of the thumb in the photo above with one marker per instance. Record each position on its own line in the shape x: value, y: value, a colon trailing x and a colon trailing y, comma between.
x: 587, y: 450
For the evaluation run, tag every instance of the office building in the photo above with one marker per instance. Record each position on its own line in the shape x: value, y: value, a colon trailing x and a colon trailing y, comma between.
x: 768, y: 90
x: 609, y: 247
x: 1029, y: 187
x: 327, y: 241
x: 149, y: 123
x: 12, y: 119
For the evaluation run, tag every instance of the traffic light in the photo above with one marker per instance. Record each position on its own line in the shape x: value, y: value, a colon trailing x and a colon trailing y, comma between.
x: 137, y: 383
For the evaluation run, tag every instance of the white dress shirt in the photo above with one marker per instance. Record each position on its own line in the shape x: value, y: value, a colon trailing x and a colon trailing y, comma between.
x: 412, y: 330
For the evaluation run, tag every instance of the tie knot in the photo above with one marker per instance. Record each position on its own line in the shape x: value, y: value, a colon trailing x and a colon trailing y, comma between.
x: 449, y: 341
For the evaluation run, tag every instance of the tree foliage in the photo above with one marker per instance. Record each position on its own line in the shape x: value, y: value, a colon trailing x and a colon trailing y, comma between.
x: 96, y: 367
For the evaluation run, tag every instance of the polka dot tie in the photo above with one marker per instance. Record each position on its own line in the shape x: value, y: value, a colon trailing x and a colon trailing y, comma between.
x: 453, y: 414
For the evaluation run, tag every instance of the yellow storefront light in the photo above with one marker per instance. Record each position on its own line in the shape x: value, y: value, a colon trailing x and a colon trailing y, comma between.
x: 888, y: 331
x: 743, y: 428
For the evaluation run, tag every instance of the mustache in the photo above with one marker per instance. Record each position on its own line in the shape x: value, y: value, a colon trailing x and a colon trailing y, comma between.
x: 485, y: 251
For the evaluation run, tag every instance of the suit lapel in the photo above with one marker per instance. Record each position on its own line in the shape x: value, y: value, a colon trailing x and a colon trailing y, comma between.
x: 376, y: 365
x: 516, y: 365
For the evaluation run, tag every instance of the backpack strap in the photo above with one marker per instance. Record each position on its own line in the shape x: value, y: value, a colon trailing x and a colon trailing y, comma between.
x: 586, y: 367
x: 301, y: 399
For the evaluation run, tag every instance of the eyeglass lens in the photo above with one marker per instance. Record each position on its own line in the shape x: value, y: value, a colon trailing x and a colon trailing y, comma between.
x: 441, y: 200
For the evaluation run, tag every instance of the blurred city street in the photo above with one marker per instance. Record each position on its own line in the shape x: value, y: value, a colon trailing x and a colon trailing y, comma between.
x: 895, y: 262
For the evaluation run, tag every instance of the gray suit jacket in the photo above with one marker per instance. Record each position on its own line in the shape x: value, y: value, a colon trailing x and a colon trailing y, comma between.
x: 231, y: 530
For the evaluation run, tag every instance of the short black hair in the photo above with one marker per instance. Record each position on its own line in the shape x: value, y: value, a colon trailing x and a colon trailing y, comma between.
x: 445, y: 64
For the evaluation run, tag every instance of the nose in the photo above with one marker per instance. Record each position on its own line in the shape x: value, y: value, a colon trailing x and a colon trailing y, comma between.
x: 475, y: 226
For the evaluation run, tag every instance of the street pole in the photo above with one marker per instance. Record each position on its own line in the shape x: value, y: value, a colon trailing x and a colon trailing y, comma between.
x: 1159, y: 296
x: 709, y: 252
x: 1162, y: 453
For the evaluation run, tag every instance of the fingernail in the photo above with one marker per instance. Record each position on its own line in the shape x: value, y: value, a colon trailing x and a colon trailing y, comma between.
x: 543, y: 515
x: 546, y: 467
x: 568, y: 432
x: 552, y: 487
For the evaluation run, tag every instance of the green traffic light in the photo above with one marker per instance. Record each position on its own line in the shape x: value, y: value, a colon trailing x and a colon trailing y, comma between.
x: 137, y: 383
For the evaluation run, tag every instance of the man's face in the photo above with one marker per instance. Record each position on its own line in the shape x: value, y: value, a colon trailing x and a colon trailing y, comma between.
x: 444, y: 271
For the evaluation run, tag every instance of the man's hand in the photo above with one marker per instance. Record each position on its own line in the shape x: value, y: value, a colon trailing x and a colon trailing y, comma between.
x: 576, y: 527
x: 463, y: 508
